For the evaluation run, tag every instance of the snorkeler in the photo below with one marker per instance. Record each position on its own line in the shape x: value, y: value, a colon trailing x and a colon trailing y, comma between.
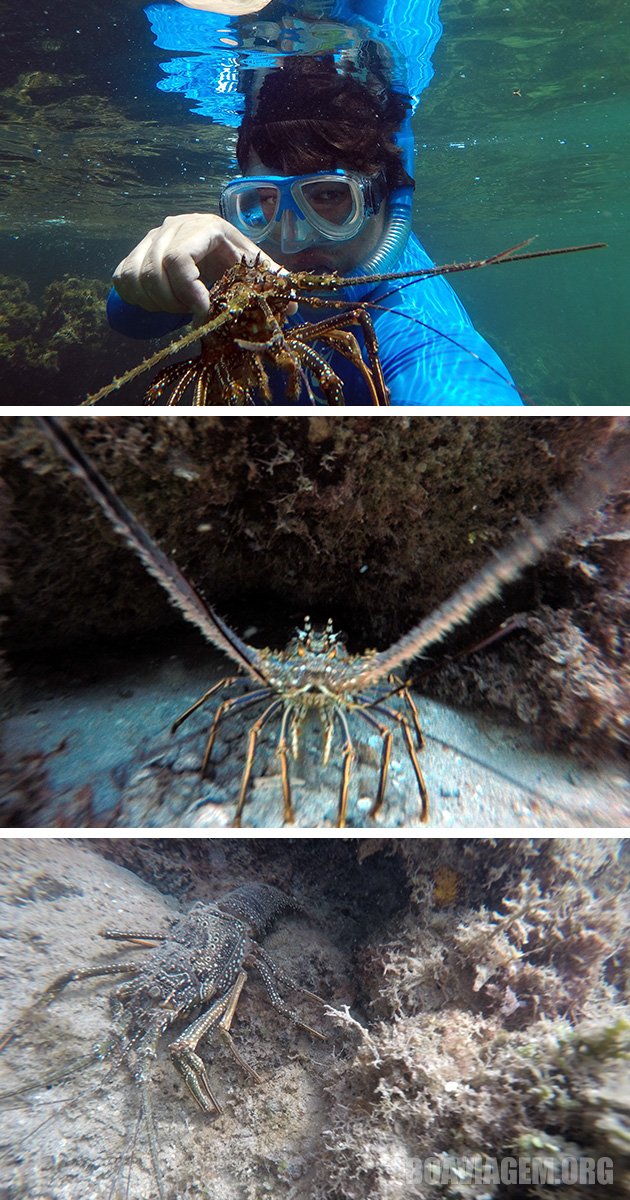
x: 324, y: 187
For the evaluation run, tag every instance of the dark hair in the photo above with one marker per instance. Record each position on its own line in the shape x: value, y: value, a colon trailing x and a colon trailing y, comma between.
x: 309, y: 117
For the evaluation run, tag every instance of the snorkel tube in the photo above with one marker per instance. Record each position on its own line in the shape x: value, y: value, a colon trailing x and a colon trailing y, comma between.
x: 397, y: 222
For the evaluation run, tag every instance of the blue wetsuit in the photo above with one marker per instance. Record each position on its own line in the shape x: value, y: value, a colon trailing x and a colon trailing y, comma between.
x: 421, y: 364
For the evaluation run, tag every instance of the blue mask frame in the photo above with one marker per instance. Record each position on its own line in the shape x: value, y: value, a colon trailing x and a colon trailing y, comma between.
x: 367, y: 191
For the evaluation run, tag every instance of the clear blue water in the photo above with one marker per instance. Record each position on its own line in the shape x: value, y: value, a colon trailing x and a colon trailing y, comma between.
x: 94, y: 154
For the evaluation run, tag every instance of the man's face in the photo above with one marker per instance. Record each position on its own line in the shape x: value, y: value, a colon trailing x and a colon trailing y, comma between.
x: 343, y: 256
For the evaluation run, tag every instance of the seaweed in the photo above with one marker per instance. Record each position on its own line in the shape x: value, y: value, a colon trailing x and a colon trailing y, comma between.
x: 51, y: 351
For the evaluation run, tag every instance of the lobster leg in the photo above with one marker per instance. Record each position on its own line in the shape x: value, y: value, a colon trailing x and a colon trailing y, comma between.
x: 281, y: 750
x: 225, y: 1024
x: 386, y: 754
x: 226, y: 708
x: 175, y: 375
x: 347, y: 345
x: 249, y: 761
x: 422, y: 787
x: 58, y: 985
x: 348, y: 759
x: 183, y: 1051
x: 333, y: 331
x: 269, y: 975
x: 330, y: 383
x: 227, y: 682
x: 415, y: 715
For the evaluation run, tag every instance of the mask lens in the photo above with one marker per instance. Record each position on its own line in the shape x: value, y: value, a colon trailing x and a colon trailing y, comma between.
x: 332, y: 202
x: 256, y: 208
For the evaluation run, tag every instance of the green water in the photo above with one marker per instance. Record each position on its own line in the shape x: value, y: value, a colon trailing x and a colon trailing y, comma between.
x: 94, y: 155
x: 495, y: 168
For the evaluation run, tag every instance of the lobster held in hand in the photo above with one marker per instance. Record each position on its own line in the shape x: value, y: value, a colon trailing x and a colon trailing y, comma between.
x: 246, y: 333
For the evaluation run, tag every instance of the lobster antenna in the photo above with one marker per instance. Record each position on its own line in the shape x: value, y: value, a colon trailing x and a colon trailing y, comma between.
x: 593, y: 487
x: 173, y: 347
x: 504, y: 256
x: 180, y: 592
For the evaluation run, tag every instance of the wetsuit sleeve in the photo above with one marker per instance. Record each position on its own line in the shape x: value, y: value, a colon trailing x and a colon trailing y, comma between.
x: 440, y: 373
x: 136, y: 322
x: 432, y: 355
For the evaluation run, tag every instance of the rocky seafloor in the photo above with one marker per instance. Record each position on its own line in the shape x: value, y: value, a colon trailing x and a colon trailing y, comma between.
x: 479, y: 989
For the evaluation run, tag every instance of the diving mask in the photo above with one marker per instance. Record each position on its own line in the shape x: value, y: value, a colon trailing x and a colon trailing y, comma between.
x: 327, y: 206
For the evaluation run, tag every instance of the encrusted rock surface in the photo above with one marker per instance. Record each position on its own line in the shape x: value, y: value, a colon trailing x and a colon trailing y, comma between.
x: 479, y: 989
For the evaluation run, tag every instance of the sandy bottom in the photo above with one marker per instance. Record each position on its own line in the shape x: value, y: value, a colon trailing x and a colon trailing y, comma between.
x: 95, y: 748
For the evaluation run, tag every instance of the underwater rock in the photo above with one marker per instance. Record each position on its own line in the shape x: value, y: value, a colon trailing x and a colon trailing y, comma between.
x: 50, y: 353
x: 498, y: 1023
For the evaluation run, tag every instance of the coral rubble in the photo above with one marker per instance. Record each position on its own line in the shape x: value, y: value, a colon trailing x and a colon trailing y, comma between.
x: 497, y: 1023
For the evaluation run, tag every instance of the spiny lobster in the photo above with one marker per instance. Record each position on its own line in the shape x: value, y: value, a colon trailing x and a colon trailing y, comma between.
x: 315, y: 674
x: 191, y: 976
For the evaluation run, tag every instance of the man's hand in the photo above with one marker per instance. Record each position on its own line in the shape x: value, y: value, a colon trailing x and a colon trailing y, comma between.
x: 173, y: 266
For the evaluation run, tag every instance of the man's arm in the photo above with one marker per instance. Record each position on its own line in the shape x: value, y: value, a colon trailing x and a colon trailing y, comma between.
x: 135, y: 322
x: 433, y: 370
x: 430, y: 351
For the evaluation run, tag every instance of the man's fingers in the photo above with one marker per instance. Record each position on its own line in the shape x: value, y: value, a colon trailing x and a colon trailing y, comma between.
x: 173, y: 267
x: 199, y: 299
x: 184, y: 279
